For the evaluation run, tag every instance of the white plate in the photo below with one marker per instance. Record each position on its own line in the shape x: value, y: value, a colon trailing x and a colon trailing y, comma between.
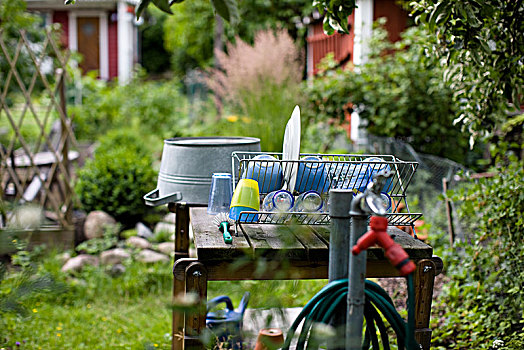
x: 291, y: 149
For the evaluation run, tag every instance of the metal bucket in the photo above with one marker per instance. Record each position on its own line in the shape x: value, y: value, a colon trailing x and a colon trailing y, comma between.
x: 188, y: 164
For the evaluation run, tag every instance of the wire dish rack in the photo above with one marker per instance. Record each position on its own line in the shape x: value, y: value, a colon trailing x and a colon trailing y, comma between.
x: 320, y: 173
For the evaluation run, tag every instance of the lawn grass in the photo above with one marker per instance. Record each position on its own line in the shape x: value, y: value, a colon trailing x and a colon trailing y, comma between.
x: 131, y: 311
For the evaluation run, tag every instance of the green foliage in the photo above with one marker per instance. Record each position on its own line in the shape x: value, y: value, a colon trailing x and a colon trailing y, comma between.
x: 157, y: 109
x: 227, y: 9
x: 17, y: 288
x: 13, y: 18
x: 482, y: 45
x: 128, y: 311
x: 483, y: 301
x: 401, y: 95
x: 155, y: 58
x: 98, y: 245
x: 336, y: 14
x: 124, y: 139
x: 190, y: 38
x: 161, y: 236
x: 115, y: 181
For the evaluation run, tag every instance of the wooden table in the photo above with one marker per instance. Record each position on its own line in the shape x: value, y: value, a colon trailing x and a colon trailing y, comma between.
x: 266, y: 252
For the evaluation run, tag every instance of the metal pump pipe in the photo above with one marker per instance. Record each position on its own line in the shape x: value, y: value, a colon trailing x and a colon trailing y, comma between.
x: 357, y: 276
x: 339, y: 246
x: 362, y: 205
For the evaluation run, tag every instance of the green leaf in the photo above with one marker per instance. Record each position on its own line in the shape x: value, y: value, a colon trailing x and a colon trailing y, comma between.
x: 227, y: 9
x: 163, y: 5
x: 141, y: 7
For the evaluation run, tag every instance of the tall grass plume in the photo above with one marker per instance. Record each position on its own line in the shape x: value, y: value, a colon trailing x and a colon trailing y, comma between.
x: 260, y: 83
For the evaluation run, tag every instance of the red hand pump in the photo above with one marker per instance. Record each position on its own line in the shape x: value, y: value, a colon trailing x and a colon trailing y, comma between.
x: 394, y: 252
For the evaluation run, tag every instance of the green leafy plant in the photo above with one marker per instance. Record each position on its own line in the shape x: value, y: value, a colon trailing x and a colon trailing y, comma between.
x: 482, y: 45
x: 401, y: 94
x: 23, y: 281
x: 97, y: 245
x: 336, y: 14
x: 156, y: 108
x: 483, y: 300
x: 190, y: 39
x: 115, y: 181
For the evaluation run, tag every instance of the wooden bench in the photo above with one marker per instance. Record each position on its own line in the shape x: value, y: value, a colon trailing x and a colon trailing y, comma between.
x: 266, y: 252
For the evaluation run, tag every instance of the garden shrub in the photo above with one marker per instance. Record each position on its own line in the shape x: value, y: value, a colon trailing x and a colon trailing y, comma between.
x: 155, y: 108
x: 127, y: 139
x: 115, y: 181
x: 483, y: 301
x: 401, y: 95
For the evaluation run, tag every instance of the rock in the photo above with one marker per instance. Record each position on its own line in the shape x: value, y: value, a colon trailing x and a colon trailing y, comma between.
x: 79, y: 219
x: 166, y: 248
x: 64, y: 257
x: 117, y: 270
x: 78, y: 262
x: 96, y: 222
x: 170, y: 218
x: 143, y: 231
x: 114, y: 256
x: 149, y: 256
x: 165, y: 227
x: 138, y: 242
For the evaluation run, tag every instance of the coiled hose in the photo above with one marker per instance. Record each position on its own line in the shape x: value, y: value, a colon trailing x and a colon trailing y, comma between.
x: 324, y: 305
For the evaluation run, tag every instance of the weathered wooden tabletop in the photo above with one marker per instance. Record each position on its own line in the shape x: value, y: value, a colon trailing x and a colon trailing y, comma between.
x: 298, y: 242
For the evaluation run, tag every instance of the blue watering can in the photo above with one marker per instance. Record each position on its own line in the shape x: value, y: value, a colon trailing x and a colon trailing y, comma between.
x: 227, y: 324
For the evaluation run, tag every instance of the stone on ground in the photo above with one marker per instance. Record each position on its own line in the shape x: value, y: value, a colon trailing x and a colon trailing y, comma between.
x: 167, y: 248
x: 165, y: 227
x: 170, y: 218
x: 138, y: 242
x: 96, y: 222
x: 143, y: 231
x: 114, y: 256
x: 78, y: 262
x: 150, y: 256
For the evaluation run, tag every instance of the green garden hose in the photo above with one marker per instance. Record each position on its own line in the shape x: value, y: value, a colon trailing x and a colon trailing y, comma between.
x: 326, y: 303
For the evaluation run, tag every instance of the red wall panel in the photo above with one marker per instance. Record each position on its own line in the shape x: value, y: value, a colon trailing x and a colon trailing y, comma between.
x: 113, y: 46
x: 62, y: 18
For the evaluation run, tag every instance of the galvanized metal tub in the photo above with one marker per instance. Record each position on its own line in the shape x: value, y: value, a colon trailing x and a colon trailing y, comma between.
x: 189, y: 162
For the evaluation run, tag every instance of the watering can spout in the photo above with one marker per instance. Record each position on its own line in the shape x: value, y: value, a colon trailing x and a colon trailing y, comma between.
x: 243, y: 303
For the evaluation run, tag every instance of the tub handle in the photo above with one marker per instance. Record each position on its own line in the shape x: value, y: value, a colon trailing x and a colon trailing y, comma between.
x: 152, y: 198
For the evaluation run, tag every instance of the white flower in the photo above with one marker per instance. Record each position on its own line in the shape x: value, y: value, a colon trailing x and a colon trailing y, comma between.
x: 497, y: 344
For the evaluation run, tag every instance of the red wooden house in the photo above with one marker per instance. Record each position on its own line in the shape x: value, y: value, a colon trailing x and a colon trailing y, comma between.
x: 345, y: 47
x: 103, y: 31
x: 352, y: 47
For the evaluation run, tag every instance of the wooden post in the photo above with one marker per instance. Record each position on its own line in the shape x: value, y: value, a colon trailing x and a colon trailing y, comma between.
x: 181, y: 229
x: 64, y: 137
x: 424, y: 280
x: 449, y: 212
x: 195, y: 322
x: 179, y: 291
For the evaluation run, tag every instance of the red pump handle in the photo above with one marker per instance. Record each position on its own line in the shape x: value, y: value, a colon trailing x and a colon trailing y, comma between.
x: 396, y: 255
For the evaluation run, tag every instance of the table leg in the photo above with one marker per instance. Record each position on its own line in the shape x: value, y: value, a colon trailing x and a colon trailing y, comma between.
x: 424, y: 280
x: 195, y: 322
x: 179, y: 291
x: 181, y: 229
